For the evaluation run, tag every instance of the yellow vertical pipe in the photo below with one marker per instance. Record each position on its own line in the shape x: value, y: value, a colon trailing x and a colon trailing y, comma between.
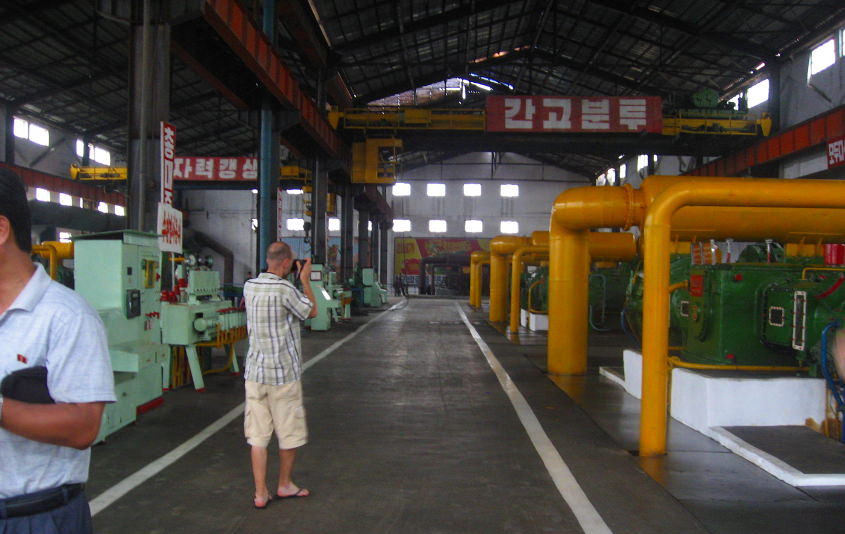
x: 517, y: 259
x: 746, y: 196
x: 501, y: 247
x: 569, y: 272
x: 476, y: 273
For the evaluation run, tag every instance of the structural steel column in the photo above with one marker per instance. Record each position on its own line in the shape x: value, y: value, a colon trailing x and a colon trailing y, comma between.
x: 9, y: 135
x: 383, y: 261
x: 319, y: 191
x: 149, y: 104
x: 363, y: 240
x: 375, y: 247
x: 268, y: 170
x: 347, y: 233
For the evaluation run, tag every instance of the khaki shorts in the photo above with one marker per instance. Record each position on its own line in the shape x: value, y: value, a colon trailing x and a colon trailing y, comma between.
x: 275, y: 408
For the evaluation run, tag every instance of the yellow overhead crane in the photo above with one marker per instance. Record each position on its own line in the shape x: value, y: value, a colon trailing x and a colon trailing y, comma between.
x: 287, y: 172
x: 475, y: 119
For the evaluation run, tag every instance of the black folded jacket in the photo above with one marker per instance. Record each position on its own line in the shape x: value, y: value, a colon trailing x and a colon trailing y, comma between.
x: 27, y: 385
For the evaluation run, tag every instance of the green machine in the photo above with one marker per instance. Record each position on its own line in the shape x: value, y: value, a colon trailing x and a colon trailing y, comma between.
x: 328, y: 307
x: 118, y: 273
x: 607, y: 295
x: 679, y: 269
x: 374, y: 295
x: 198, y: 315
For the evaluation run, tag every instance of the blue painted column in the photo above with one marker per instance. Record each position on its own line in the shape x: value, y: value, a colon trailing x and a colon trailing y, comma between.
x: 268, y: 147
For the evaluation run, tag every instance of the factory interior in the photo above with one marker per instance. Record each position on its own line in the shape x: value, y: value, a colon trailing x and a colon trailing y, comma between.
x: 578, y: 265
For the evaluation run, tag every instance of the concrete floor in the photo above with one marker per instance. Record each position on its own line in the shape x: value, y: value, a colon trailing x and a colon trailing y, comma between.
x: 411, y: 432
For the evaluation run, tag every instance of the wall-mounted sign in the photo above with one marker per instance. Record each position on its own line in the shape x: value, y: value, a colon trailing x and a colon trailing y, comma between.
x: 169, y: 228
x: 216, y: 169
x: 168, y: 153
x: 836, y: 152
x: 568, y: 114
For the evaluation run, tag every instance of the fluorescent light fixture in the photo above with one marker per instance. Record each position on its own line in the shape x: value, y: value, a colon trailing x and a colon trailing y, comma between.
x: 435, y: 190
x: 472, y: 190
x: 401, y: 225
x: 436, y: 226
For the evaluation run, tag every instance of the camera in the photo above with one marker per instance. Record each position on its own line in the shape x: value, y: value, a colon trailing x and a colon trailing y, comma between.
x: 295, y: 267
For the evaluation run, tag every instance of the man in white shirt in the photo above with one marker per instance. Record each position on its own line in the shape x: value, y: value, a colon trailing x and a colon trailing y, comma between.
x: 44, y: 448
x: 273, y: 367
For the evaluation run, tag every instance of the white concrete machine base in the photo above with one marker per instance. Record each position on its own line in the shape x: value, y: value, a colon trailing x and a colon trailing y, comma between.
x: 709, y: 401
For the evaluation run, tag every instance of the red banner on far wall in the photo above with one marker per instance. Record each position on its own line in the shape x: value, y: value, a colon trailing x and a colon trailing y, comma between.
x: 571, y: 114
x: 216, y: 169
x: 836, y: 152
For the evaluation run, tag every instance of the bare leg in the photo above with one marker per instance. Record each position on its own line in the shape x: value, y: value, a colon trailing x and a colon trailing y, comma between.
x: 259, y: 474
x: 286, y: 485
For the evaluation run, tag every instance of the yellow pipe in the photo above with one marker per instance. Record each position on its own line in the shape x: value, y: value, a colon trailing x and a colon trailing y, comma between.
x: 501, y: 247
x: 516, y: 272
x: 476, y: 261
x: 530, y: 307
x: 760, y: 208
x: 54, y: 252
x: 679, y: 285
x: 675, y: 361
x: 807, y: 269
x: 540, y: 238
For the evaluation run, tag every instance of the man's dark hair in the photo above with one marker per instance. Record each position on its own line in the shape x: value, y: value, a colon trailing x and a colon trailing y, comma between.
x: 278, y: 251
x: 13, y: 206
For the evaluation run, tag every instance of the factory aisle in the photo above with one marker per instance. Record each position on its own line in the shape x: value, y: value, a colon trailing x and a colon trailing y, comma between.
x: 410, y: 432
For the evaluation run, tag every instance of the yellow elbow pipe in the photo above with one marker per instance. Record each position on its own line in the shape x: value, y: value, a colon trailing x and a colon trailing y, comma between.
x: 804, y: 208
x: 519, y: 256
x: 476, y: 262
x: 500, y: 248
x: 54, y: 252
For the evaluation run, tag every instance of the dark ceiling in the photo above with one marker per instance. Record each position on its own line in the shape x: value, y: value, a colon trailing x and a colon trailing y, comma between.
x: 66, y: 64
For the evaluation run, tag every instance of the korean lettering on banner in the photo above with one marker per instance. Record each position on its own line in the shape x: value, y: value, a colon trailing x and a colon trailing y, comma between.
x: 574, y: 114
x: 836, y: 152
x: 215, y: 169
x: 169, y: 228
x: 168, y: 155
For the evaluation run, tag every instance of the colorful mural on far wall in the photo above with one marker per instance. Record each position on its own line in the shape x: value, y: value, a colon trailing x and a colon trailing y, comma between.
x: 409, y: 251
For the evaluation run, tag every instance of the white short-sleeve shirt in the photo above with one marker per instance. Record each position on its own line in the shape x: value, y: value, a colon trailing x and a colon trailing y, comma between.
x: 51, y: 325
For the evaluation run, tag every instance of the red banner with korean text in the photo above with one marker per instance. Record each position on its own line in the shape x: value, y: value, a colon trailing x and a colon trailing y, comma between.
x: 168, y: 152
x: 570, y: 114
x: 409, y: 251
x: 216, y: 169
x: 836, y: 152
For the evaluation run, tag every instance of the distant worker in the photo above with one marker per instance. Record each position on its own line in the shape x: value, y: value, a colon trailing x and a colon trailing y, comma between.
x: 45, y: 447
x: 397, y: 285
x: 404, y: 283
x: 273, y: 368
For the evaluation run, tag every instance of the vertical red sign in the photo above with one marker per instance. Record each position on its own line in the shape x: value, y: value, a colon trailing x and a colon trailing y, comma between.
x: 168, y: 156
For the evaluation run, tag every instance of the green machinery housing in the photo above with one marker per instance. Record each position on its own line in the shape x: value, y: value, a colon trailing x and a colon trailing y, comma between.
x: 118, y: 273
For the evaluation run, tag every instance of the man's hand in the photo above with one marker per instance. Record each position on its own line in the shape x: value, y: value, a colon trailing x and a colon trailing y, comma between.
x: 305, y: 272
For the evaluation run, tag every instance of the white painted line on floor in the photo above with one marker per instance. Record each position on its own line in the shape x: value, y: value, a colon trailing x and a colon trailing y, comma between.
x: 589, y: 519
x: 109, y: 496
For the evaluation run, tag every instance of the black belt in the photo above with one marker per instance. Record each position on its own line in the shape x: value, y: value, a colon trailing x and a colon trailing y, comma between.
x: 39, y: 502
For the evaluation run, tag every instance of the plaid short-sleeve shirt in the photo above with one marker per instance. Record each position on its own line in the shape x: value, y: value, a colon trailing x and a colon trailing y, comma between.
x: 274, y: 309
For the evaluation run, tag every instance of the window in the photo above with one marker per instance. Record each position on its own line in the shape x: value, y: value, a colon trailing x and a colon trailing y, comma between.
x: 42, y: 194
x: 65, y: 199
x: 80, y: 147
x: 473, y: 226
x: 294, y: 191
x: 758, y: 93
x: 401, y: 189
x: 509, y: 190
x: 254, y: 224
x: 472, y: 190
x: 103, y: 207
x: 435, y: 190
x: 611, y: 176
x: 601, y: 180
x: 101, y: 155
x: 26, y: 130
x: 623, y: 171
x: 296, y: 225
x: 255, y: 191
x: 509, y: 227
x: 64, y: 237
x: 436, y: 226
x: 642, y: 162
x: 369, y: 226
x: 401, y: 225
x: 334, y: 224
x: 822, y: 56
x: 735, y: 101
x: 120, y: 211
